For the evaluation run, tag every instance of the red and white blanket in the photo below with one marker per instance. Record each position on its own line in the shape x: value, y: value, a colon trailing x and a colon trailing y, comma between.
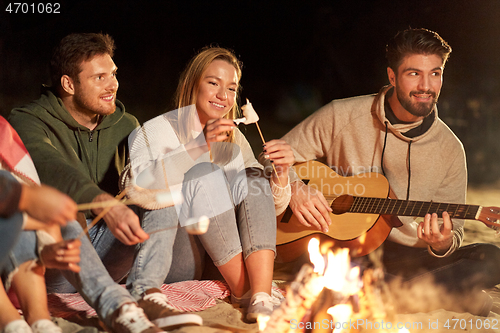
x: 13, y: 154
x: 186, y: 296
x: 183, y: 296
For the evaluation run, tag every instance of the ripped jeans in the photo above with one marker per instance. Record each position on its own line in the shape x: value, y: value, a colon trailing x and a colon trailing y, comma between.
x: 23, y: 251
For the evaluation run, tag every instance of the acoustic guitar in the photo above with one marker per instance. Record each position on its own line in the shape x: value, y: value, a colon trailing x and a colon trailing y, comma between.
x: 363, y: 212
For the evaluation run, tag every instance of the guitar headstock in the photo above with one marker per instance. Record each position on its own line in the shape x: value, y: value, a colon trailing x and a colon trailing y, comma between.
x: 490, y: 216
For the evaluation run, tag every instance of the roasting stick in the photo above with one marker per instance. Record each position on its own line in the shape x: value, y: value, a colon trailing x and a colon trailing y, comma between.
x: 101, y: 214
x: 167, y: 199
x: 264, y: 141
x: 250, y: 116
x: 103, y: 204
x: 194, y: 226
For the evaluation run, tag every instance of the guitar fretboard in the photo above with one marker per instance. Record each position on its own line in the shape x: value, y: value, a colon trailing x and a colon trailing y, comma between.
x: 411, y: 208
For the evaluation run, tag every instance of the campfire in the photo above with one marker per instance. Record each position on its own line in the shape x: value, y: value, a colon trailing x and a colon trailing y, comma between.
x: 331, y: 296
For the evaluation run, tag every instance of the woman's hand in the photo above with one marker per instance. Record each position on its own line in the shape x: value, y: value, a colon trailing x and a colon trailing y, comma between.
x: 62, y: 255
x: 216, y: 130
x: 281, y: 155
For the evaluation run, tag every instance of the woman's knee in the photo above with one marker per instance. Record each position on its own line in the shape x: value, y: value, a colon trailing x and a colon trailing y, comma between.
x: 250, y: 182
x: 25, y: 248
x: 200, y: 170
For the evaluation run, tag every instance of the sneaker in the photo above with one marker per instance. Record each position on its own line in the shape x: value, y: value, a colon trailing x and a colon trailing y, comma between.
x: 131, y: 319
x: 155, y: 305
x: 262, y: 304
x: 17, y: 326
x: 45, y: 326
x: 278, y: 295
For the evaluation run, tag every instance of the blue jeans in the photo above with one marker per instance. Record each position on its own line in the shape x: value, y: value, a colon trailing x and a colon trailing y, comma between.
x: 248, y: 226
x: 24, y: 250
x: 10, y: 229
x: 106, y: 260
x: 93, y: 282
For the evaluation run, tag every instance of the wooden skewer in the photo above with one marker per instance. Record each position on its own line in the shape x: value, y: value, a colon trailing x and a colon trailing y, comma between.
x: 102, y: 204
x: 264, y: 142
x: 101, y: 215
x: 163, y: 229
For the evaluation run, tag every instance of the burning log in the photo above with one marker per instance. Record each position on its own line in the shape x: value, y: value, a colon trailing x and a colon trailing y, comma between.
x: 335, y: 274
x: 346, y: 298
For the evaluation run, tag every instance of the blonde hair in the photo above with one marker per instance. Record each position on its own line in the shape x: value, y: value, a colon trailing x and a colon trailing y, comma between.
x: 187, y: 90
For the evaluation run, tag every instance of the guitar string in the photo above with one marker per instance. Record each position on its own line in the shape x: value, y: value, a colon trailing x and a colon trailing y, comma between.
x: 382, y: 205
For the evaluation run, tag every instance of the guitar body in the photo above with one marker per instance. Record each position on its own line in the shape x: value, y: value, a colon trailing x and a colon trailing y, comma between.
x: 361, y: 233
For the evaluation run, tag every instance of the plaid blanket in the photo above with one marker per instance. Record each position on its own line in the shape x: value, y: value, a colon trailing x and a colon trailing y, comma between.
x: 183, y: 296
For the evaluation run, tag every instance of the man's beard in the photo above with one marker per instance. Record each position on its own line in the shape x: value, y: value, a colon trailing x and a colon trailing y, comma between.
x: 418, y: 109
x: 92, y: 106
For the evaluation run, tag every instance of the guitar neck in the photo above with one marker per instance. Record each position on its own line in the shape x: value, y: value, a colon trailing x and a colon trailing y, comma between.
x: 384, y: 206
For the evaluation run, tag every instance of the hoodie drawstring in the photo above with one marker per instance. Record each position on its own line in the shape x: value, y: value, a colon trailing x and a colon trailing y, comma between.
x: 409, y: 164
x: 383, y: 150
x: 409, y: 171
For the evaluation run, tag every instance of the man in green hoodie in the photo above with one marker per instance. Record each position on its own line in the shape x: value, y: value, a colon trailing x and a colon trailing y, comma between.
x: 76, y: 133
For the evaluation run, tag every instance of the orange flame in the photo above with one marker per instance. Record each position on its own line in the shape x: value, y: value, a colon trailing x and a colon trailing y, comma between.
x: 315, y: 256
x: 340, y: 313
x: 337, y: 272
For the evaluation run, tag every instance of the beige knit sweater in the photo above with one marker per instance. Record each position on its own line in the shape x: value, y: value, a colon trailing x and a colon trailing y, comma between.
x: 348, y: 135
x: 159, y: 159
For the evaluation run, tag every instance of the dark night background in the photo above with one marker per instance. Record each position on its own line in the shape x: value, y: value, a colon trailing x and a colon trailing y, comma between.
x: 297, y: 55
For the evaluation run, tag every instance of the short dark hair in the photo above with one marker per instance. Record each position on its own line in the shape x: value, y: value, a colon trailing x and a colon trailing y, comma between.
x: 415, y: 41
x: 73, y: 50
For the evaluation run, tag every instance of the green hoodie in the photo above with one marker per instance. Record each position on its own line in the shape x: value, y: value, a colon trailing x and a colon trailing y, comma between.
x: 70, y: 157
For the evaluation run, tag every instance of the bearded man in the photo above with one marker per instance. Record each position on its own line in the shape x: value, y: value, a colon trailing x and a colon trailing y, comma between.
x: 398, y: 133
